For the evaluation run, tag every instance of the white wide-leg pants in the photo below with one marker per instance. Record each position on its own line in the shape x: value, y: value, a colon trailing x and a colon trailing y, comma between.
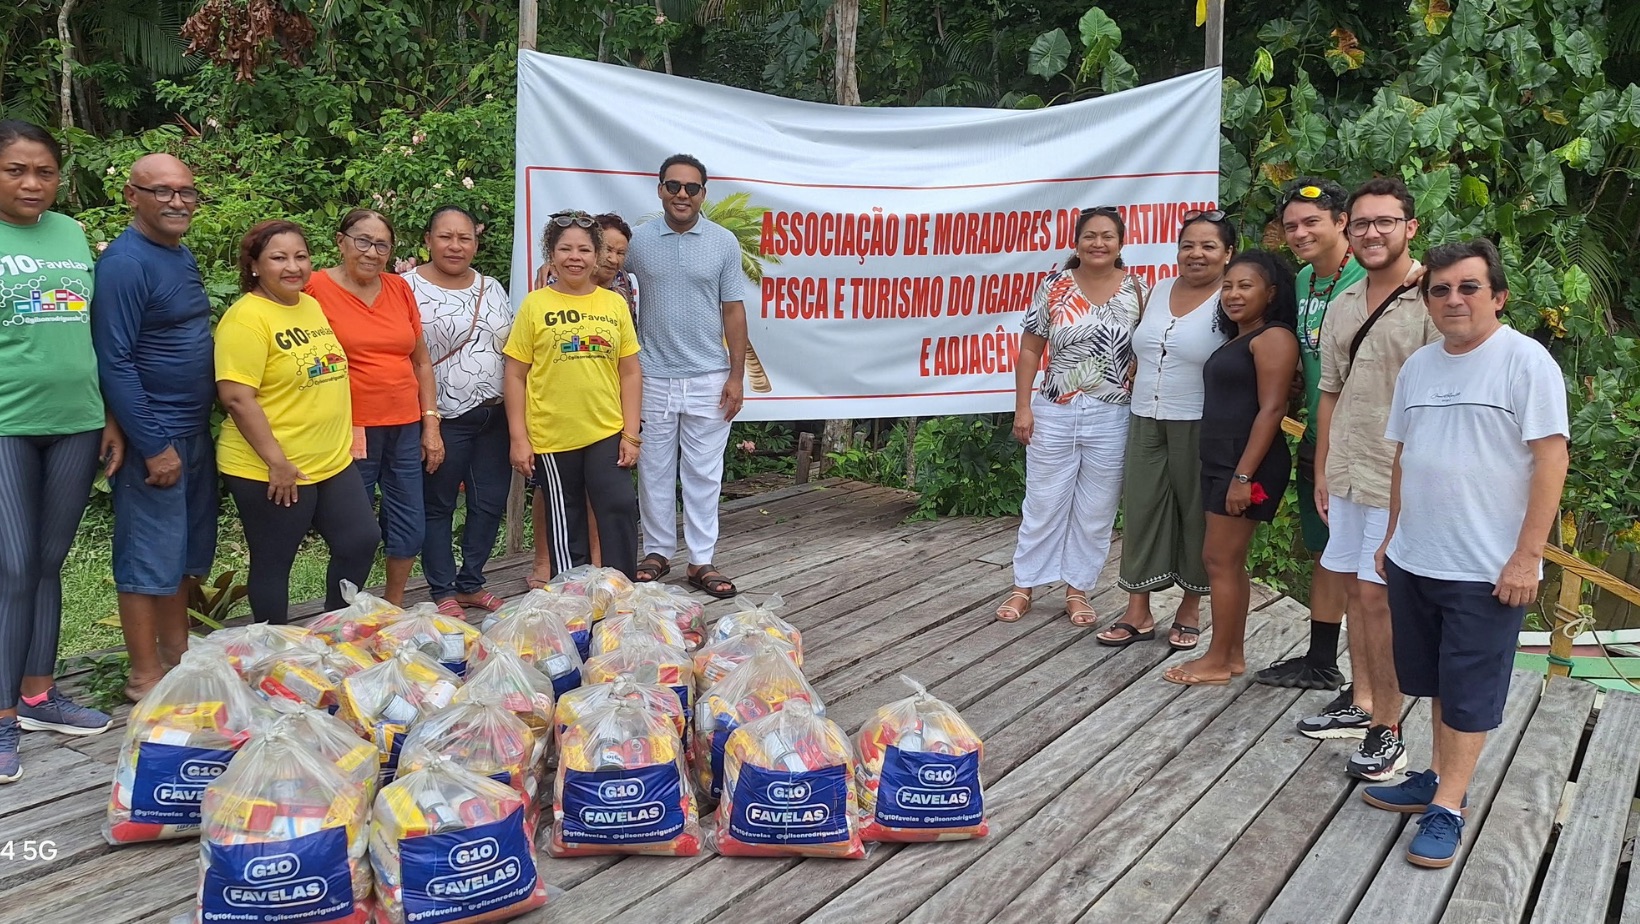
x: 682, y: 421
x: 1073, y: 483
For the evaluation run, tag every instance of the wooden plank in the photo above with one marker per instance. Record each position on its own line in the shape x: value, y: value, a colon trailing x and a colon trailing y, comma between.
x: 74, y: 829
x: 1578, y: 885
x: 1406, y: 894
x: 1497, y: 879
x: 130, y: 899
x: 53, y: 776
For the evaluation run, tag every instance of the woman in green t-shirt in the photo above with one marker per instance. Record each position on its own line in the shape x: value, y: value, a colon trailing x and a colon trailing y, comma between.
x: 52, y: 433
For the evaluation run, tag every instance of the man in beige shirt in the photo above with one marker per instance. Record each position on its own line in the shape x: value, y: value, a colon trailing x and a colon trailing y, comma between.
x: 1354, y: 461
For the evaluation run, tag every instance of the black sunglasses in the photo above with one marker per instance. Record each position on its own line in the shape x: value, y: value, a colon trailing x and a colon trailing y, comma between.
x: 578, y: 219
x: 1100, y: 210
x: 675, y: 186
x: 1212, y: 215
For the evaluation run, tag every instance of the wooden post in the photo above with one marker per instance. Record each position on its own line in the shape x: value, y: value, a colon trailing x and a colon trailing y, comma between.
x: 805, y: 456
x: 527, y: 24
x: 1566, y: 612
x: 1215, y: 33
x: 517, y: 497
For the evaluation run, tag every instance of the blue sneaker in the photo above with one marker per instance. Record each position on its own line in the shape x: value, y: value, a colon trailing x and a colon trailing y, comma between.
x: 1436, y: 844
x: 1413, y: 794
x: 61, y: 714
x: 11, y: 767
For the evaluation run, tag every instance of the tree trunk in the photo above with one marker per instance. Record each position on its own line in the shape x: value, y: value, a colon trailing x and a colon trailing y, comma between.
x: 911, y: 452
x: 666, y: 49
x: 846, y: 21
x: 65, y: 89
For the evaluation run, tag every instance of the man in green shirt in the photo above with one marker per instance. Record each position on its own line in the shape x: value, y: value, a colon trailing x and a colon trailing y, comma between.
x: 1313, y: 218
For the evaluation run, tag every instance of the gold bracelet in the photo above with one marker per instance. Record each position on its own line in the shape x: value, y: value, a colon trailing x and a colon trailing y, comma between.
x: 629, y: 438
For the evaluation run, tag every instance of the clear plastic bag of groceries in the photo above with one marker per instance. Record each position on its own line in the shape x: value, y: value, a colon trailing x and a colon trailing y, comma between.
x: 918, y: 775
x: 363, y: 616
x: 381, y: 702
x: 624, y: 625
x: 670, y: 603
x: 622, y: 786
x: 715, y: 660
x: 445, y: 640
x: 542, y: 641
x: 766, y: 683
x: 647, y: 661
x: 451, y: 846
x: 245, y: 645
x: 285, y: 836
x: 333, y: 739
x: 177, y: 740
x: 761, y: 618
x: 603, y: 586
x: 788, y: 789
x: 573, y: 610
x: 519, y: 687
x: 312, y: 678
x: 482, y: 736
x: 657, y: 698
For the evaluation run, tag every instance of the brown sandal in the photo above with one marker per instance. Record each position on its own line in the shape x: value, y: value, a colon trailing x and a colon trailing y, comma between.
x: 709, y: 580
x: 1008, y: 612
x: 653, y: 568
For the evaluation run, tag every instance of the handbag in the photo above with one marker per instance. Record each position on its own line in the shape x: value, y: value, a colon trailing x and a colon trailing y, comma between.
x: 1361, y: 335
x: 477, y: 304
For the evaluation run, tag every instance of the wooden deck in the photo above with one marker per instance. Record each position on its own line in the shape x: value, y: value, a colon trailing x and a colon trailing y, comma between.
x: 1113, y: 796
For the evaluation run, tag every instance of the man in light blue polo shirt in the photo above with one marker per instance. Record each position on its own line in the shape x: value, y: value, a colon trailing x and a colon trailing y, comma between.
x: 693, y: 333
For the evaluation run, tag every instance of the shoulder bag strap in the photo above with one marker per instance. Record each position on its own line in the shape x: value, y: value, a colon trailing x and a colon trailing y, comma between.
x: 477, y: 304
x: 1361, y: 335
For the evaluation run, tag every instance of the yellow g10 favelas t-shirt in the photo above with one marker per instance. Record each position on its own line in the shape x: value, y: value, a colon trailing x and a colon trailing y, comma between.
x: 289, y: 354
x: 573, y: 344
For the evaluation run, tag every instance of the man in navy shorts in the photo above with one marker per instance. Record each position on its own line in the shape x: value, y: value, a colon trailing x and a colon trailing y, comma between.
x: 1481, y: 425
x: 151, y: 324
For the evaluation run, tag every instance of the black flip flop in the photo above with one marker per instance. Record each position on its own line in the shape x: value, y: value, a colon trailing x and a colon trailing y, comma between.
x: 1133, y: 635
x: 656, y: 573
x: 1192, y: 631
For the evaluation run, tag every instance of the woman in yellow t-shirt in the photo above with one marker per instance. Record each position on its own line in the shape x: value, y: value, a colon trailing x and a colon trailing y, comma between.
x: 284, y: 449
x: 572, y: 387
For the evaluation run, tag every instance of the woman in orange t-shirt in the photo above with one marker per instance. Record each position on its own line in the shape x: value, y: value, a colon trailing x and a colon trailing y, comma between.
x: 395, y: 407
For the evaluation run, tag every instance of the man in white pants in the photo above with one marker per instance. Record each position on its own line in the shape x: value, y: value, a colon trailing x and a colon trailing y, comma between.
x: 693, y: 332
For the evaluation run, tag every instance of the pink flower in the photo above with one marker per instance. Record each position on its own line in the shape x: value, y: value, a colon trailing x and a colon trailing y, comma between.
x: 748, y: 446
x: 102, y: 246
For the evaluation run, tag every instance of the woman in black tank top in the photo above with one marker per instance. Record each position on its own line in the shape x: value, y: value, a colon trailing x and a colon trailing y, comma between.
x: 1245, y: 459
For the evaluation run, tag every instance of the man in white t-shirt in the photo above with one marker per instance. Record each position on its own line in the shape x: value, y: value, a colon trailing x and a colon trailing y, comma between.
x: 1481, y: 426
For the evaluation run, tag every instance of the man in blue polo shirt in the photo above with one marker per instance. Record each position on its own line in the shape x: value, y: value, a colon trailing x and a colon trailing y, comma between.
x: 693, y: 331
x: 151, y: 324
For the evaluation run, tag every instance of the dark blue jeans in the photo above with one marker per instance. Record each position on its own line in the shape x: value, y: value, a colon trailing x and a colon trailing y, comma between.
x: 393, y: 463
x: 475, y: 454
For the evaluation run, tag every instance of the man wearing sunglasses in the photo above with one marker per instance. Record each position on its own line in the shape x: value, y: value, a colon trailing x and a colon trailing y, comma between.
x: 1370, y: 331
x: 151, y: 324
x: 693, y: 333
x: 1479, y: 428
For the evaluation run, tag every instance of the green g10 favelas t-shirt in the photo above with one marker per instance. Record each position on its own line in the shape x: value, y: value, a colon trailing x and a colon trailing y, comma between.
x: 48, y: 370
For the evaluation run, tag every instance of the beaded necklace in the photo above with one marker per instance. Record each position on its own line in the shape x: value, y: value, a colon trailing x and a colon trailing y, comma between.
x: 1333, y: 282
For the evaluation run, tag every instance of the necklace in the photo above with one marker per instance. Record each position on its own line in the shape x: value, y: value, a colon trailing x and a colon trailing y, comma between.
x: 1333, y: 282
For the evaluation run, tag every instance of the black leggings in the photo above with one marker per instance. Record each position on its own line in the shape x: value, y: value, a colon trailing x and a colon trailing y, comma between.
x: 337, y: 508
x: 568, y: 480
x: 45, y: 482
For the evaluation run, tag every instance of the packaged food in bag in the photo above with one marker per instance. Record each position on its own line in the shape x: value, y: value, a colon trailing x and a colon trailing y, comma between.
x: 542, y: 641
x: 306, y: 676
x: 760, y: 618
x: 623, y: 625
x: 362, y: 617
x: 482, y: 736
x: 573, y: 610
x: 245, y: 645
x: 647, y: 661
x: 332, y: 739
x: 445, y: 640
x: 659, y: 699
x: 381, y: 702
x: 788, y: 789
x: 517, y: 686
x: 450, y: 846
x: 178, y: 739
x: 715, y: 660
x: 918, y: 775
x: 285, y: 836
x: 670, y: 603
x: 622, y: 785
x: 766, y: 683
x: 603, y: 586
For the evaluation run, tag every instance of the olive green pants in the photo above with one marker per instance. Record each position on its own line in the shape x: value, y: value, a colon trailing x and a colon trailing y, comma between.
x: 1164, y: 526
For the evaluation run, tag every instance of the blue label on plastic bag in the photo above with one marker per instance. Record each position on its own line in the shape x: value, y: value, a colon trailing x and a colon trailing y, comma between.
x: 683, y: 697
x: 720, y: 739
x: 565, y: 683
x: 583, y: 642
x: 447, y: 877
x: 170, y: 782
x: 638, y: 806
x: 459, y: 668
x: 921, y: 790
x: 305, y: 880
x: 779, y: 807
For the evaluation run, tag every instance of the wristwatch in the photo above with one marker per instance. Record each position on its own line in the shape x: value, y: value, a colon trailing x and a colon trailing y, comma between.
x: 1243, y: 479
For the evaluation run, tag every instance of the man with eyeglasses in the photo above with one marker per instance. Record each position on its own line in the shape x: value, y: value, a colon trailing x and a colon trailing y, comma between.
x: 693, y: 332
x: 151, y: 324
x: 1369, y: 332
x: 1480, y: 430
x: 1313, y: 219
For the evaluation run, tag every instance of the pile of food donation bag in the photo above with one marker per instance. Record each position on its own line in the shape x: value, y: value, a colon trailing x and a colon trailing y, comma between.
x: 388, y: 766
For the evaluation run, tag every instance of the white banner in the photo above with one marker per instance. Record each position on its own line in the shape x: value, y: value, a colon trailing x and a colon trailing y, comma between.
x: 898, y: 247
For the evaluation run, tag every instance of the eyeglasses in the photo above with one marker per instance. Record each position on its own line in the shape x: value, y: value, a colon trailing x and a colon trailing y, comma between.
x: 1311, y: 193
x: 1216, y: 216
x: 1382, y: 225
x: 675, y: 186
x: 188, y: 194
x: 365, y: 245
x: 578, y: 219
x: 1466, y: 289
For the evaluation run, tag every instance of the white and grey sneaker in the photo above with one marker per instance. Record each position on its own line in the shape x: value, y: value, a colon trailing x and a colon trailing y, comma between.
x: 1341, y: 718
x: 1382, y: 755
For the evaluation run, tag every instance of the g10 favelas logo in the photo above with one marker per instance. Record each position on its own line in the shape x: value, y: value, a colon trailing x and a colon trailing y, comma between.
x: 188, y: 788
x: 789, y: 805
x: 275, y: 881
x: 622, y: 806
x: 941, y: 786
x: 480, y: 869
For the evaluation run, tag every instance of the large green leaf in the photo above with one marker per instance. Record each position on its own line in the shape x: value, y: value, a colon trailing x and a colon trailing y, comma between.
x: 1440, y: 64
x: 1598, y: 112
x: 1264, y: 67
x: 1235, y: 175
x: 1437, y: 127
x: 1432, y: 191
x: 1118, y: 74
x: 1384, y: 136
x: 1469, y: 24
x: 1049, y: 53
x: 1098, y: 31
x: 1579, y: 53
x: 1309, y: 135
x: 1242, y: 105
x: 1628, y: 105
